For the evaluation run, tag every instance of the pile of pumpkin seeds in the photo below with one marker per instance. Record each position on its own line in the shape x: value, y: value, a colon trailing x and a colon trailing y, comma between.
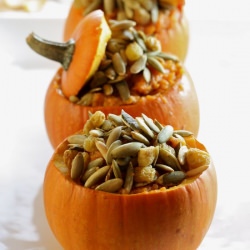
x: 122, y: 154
x: 128, y: 53
x: 142, y: 12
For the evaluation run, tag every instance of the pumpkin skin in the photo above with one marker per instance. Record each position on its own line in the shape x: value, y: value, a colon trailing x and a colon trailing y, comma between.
x: 173, y: 219
x: 92, y: 33
x: 63, y: 118
x: 172, y: 30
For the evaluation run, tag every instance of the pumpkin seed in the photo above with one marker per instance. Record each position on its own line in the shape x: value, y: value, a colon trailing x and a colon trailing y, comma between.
x: 97, y: 176
x: 164, y: 167
x: 119, y: 64
x: 98, y: 162
x: 139, y: 65
x: 101, y: 146
x: 123, y: 90
x: 88, y: 173
x: 146, y: 74
x: 150, y: 123
x: 129, y: 179
x: 114, y: 145
x: 165, y: 134
x: 171, y: 179
x: 169, y: 159
x: 110, y: 186
x: 143, y: 126
x: 123, y: 162
x: 116, y: 169
x: 96, y: 133
x: 116, y: 119
x: 130, y: 162
x: 182, y: 154
x: 121, y: 25
x: 139, y: 137
x: 77, y: 166
x: 183, y: 133
x: 114, y: 135
x: 128, y: 149
x: 156, y: 64
x: 129, y: 121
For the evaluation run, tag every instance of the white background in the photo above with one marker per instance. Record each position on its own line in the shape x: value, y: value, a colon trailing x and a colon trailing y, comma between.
x: 218, y: 61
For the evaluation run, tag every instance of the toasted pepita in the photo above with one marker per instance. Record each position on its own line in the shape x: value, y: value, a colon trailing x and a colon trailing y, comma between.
x: 165, y: 134
x: 110, y: 186
x: 97, y: 176
x: 171, y: 179
x: 128, y: 149
x: 123, y: 154
x: 77, y: 166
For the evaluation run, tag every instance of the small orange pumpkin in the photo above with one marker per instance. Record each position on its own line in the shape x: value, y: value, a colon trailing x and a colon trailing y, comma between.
x: 170, y: 97
x: 173, y: 218
x: 62, y: 117
x: 171, y: 27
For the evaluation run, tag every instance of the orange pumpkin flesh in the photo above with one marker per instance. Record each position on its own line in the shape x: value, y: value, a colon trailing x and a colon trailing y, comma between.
x: 91, y: 36
x: 62, y: 117
x: 171, y: 29
x: 174, y: 218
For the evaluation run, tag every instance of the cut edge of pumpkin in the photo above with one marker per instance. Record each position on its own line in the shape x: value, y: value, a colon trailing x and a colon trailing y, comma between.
x: 80, y: 71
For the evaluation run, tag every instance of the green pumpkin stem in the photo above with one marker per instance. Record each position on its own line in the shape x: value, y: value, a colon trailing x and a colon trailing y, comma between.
x: 59, y: 52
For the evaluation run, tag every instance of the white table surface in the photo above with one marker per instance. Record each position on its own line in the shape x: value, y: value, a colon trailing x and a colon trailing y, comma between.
x: 218, y: 61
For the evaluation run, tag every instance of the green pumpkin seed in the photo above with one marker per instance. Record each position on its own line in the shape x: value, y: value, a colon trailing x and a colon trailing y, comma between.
x: 171, y: 179
x: 97, y: 176
x: 98, y: 162
x: 165, y: 134
x: 139, y: 65
x: 114, y: 135
x: 119, y: 64
x: 169, y: 159
x: 112, y: 146
x: 139, y: 137
x: 143, y: 126
x: 129, y: 159
x: 156, y: 64
x: 128, y: 149
x: 77, y: 166
x: 110, y: 186
x: 150, y: 123
x: 116, y: 169
x: 76, y: 139
x: 130, y: 121
x: 183, y: 133
x: 129, y: 179
x: 123, y: 90
x: 101, y: 146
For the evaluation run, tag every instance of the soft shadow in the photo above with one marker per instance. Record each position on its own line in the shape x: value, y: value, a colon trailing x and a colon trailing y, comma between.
x: 47, y: 239
x: 234, y: 228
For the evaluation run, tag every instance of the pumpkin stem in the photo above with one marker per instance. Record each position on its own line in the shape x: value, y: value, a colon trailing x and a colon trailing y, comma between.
x: 59, y: 52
